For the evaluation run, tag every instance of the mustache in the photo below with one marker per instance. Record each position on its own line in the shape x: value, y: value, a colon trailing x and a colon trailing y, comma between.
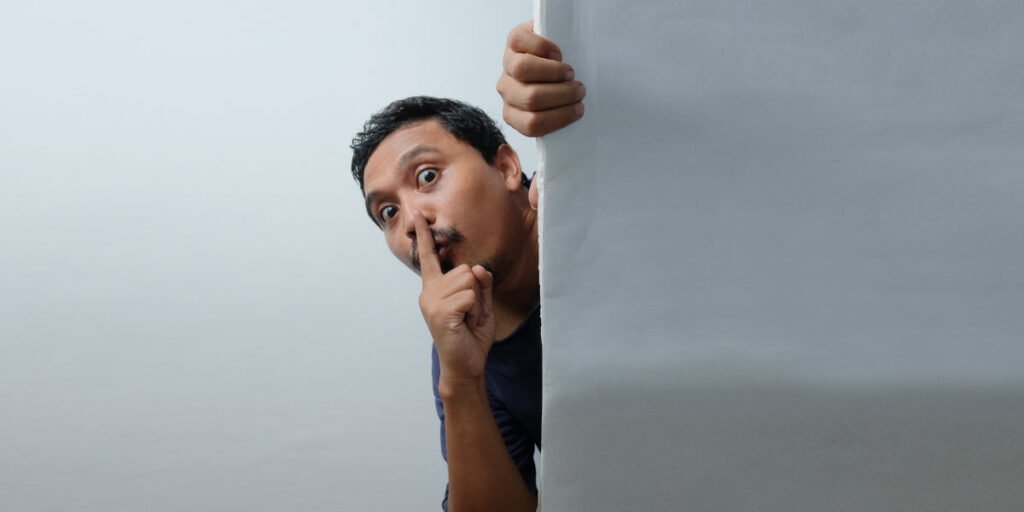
x: 450, y: 236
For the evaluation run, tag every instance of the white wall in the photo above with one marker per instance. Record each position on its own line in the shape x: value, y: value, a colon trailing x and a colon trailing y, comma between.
x: 195, y: 313
x: 783, y: 262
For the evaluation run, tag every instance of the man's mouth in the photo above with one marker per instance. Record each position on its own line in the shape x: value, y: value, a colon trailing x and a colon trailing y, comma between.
x: 444, y: 252
x: 444, y: 242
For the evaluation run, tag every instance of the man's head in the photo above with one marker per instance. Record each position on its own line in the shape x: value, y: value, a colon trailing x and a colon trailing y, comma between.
x: 448, y: 162
x: 466, y: 122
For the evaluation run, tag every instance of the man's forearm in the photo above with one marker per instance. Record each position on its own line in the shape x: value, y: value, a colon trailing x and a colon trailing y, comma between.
x: 482, y: 475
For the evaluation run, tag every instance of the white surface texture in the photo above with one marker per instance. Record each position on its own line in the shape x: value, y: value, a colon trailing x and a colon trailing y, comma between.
x: 783, y: 258
x: 196, y: 313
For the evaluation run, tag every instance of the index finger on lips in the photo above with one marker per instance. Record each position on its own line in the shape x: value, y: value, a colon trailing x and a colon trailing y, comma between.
x: 430, y: 265
x: 522, y: 39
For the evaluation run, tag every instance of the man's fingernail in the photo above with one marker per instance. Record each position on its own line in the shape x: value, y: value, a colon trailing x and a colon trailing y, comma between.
x: 555, y: 55
x: 579, y: 109
x: 569, y: 74
x: 580, y: 92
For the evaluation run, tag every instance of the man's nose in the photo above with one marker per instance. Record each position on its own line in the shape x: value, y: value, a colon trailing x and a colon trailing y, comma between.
x: 409, y: 217
x: 409, y: 221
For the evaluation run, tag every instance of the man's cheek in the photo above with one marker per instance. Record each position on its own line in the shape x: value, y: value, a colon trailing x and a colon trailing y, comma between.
x: 411, y: 263
x: 402, y: 253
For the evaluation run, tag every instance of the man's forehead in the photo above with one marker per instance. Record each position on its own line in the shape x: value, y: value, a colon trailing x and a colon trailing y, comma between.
x: 406, y: 142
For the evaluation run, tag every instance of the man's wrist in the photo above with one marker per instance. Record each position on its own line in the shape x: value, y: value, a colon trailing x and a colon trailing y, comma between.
x: 455, y: 388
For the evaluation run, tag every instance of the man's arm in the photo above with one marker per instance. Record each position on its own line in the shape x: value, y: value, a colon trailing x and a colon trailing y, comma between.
x: 457, y: 307
x: 482, y: 475
x: 540, y: 92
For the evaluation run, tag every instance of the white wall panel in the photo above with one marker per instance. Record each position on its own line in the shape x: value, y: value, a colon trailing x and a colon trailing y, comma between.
x: 783, y: 257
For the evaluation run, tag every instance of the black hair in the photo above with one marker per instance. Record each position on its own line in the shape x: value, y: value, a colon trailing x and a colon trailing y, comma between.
x: 466, y: 122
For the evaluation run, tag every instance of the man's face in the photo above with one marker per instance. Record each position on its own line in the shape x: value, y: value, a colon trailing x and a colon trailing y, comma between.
x: 468, y: 204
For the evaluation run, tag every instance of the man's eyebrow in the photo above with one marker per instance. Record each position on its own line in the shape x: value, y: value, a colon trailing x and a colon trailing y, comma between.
x: 402, y: 162
x: 415, y: 152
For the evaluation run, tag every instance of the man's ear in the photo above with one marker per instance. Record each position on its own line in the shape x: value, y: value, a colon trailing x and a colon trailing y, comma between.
x: 534, y: 192
x: 506, y: 161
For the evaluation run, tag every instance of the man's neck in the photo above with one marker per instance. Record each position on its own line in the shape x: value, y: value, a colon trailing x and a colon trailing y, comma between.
x: 520, y: 291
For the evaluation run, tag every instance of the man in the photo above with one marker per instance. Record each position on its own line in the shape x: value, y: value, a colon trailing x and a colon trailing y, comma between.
x: 455, y: 206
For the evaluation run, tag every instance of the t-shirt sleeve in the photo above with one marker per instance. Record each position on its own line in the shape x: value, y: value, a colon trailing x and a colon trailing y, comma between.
x: 517, y: 439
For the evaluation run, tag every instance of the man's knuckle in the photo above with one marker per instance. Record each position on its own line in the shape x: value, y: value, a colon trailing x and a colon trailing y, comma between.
x: 519, y: 66
x: 522, y: 128
x: 502, y: 85
x: 508, y: 115
x: 514, y: 38
x: 530, y: 99
x: 533, y: 124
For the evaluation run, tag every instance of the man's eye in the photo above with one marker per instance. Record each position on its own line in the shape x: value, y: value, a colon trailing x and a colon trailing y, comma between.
x: 426, y: 176
x: 388, y: 212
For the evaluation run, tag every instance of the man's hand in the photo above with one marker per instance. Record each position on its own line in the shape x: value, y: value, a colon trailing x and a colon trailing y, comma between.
x: 539, y: 90
x: 458, y: 309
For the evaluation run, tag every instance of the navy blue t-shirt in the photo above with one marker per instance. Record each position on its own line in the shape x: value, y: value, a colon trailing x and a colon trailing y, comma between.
x: 513, y: 388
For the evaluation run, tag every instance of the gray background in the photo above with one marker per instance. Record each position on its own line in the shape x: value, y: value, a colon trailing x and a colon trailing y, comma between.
x: 783, y: 258
x: 195, y: 312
